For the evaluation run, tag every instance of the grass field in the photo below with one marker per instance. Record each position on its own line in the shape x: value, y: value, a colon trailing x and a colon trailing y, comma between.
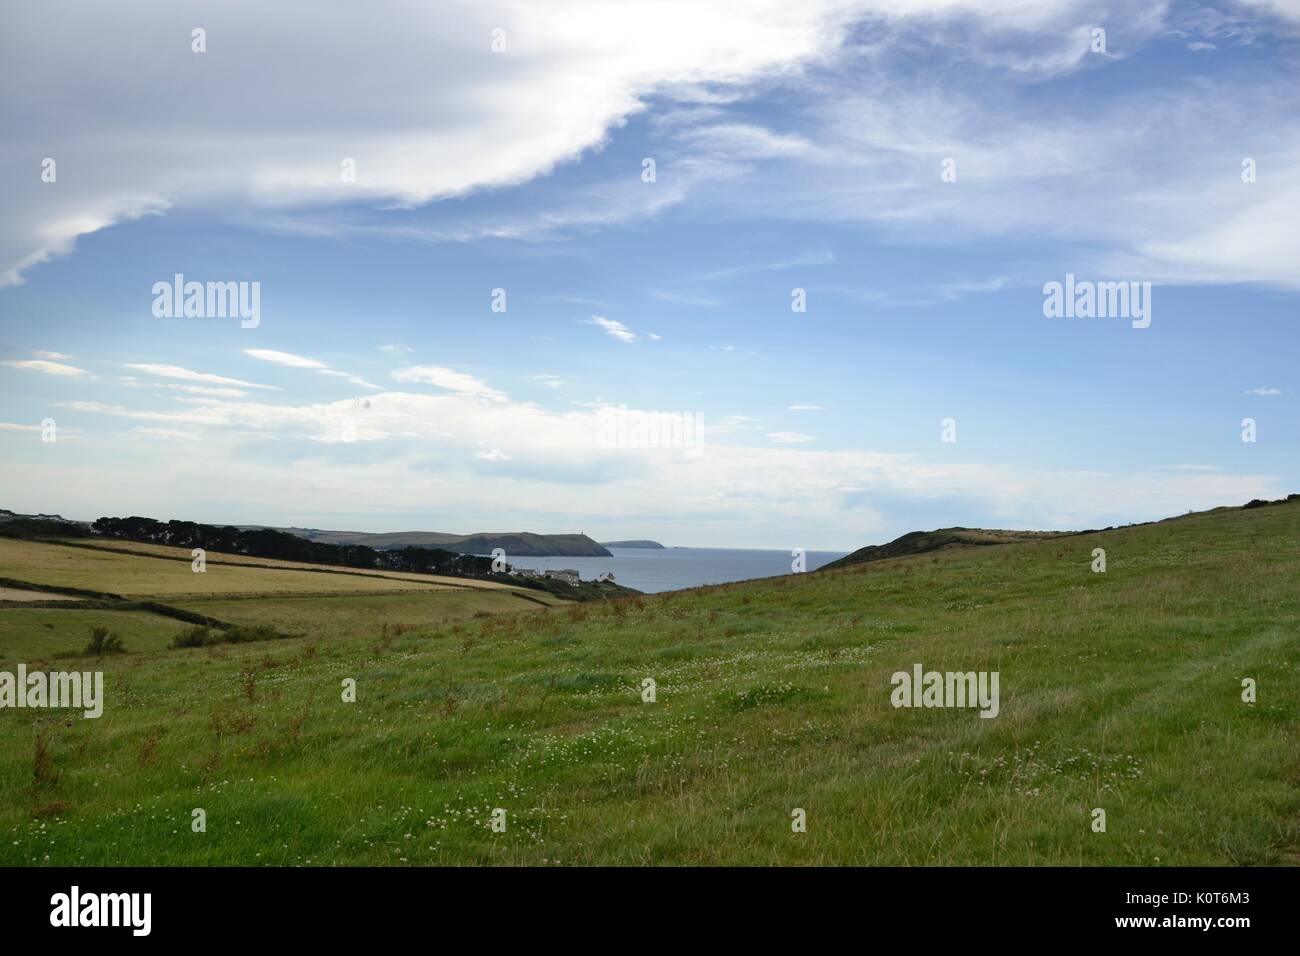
x: 182, y: 554
x: 295, y: 599
x: 139, y: 575
x: 1119, y: 690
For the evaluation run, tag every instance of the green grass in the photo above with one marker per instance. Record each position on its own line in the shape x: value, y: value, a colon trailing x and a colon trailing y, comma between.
x: 343, y: 616
x: 141, y: 575
x: 1118, y: 690
x: 30, y: 634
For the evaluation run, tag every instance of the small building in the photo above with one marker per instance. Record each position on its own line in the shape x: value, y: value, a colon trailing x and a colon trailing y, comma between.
x: 567, y: 575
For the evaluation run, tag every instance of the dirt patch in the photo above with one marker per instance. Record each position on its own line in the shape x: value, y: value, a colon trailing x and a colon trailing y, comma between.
x: 14, y: 594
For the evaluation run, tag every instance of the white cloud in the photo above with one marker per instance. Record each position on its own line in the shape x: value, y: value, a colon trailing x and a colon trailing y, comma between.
x: 284, y: 358
x: 614, y: 328
x: 745, y: 141
x: 1263, y: 391
x: 396, y: 348
x: 1165, y: 196
x: 189, y: 375
x: 573, y: 71
x: 805, y: 408
x: 1288, y: 9
x: 449, y: 379
x: 47, y: 368
x: 167, y: 434
x: 212, y: 391
x: 349, y: 377
x: 423, y: 448
x: 55, y: 356
x: 808, y: 259
x: 789, y: 438
x: 733, y: 423
x: 290, y: 360
x: 202, y: 416
x: 687, y: 299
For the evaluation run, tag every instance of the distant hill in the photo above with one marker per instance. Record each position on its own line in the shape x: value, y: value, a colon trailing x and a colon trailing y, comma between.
x: 634, y: 544
x: 943, y: 539
x: 514, y: 543
x: 949, y: 539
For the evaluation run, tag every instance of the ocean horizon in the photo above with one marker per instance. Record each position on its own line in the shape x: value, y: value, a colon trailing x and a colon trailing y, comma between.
x: 652, y: 570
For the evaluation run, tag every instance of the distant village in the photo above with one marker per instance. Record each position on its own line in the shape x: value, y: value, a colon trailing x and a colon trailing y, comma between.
x: 567, y: 575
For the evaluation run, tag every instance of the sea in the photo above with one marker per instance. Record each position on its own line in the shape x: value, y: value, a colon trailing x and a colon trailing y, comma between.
x: 669, y: 569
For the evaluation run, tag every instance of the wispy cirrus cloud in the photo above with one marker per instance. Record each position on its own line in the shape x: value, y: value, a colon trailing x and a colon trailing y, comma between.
x: 189, y: 375
x: 449, y: 379
x: 212, y: 391
x: 349, y: 378
x: 688, y: 299
x: 284, y: 358
x: 290, y: 360
x: 166, y: 434
x: 202, y: 416
x: 747, y: 268
x: 613, y: 327
x: 44, y: 367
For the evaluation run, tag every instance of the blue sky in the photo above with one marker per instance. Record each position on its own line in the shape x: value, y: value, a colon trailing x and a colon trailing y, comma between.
x: 379, y: 391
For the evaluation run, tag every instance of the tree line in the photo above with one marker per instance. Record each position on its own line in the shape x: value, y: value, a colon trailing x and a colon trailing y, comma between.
x: 269, y: 543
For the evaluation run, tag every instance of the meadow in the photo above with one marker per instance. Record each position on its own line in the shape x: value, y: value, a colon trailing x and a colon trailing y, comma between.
x: 1120, y: 691
x: 131, y: 589
x: 141, y: 575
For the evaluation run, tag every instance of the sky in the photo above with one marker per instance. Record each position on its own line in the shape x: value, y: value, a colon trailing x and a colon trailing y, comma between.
x: 818, y: 234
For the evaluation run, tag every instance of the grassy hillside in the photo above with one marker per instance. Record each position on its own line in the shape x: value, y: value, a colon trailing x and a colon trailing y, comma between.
x: 944, y: 539
x: 138, y: 574
x: 149, y: 593
x: 183, y: 555
x: 517, y: 543
x: 1119, y: 691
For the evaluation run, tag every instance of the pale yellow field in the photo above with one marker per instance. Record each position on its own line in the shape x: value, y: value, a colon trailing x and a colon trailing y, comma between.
x: 18, y: 594
x: 162, y: 550
x: 139, y: 576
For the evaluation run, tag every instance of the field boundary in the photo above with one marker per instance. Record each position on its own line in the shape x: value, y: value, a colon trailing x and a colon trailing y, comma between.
x: 315, y: 569
x: 106, y: 601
